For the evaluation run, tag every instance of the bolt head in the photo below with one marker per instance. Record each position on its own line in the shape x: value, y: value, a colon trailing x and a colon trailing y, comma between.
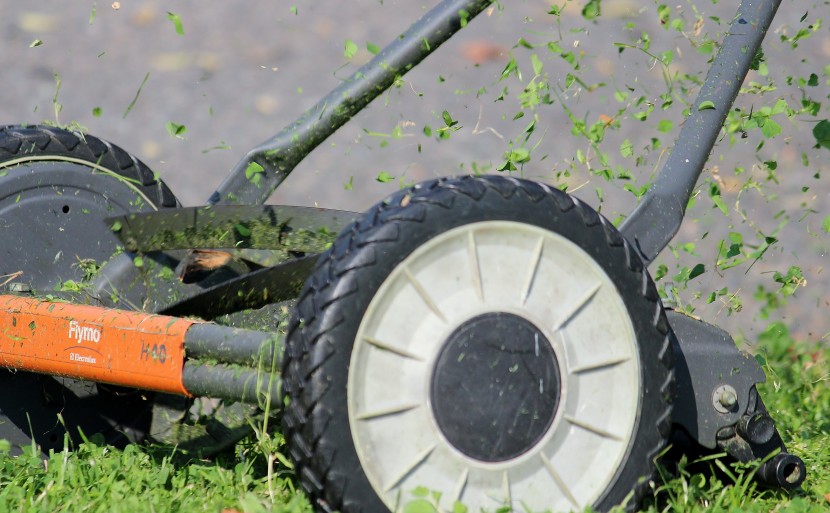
x: 728, y: 398
x: 725, y: 399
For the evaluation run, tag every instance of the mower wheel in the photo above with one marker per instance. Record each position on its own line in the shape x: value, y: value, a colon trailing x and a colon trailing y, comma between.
x: 56, y: 187
x: 482, y: 340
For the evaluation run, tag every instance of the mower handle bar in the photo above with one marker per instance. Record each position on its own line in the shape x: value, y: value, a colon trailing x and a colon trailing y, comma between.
x: 263, y: 169
x: 652, y: 224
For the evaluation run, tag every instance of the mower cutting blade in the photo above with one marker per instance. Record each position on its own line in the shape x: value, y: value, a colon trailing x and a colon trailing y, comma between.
x: 253, y: 290
x: 305, y: 229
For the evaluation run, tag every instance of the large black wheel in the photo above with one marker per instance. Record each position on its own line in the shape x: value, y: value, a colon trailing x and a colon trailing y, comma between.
x: 56, y: 187
x: 488, y: 338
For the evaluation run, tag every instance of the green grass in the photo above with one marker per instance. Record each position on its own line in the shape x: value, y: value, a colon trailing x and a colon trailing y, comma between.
x: 141, y: 478
x: 257, y: 477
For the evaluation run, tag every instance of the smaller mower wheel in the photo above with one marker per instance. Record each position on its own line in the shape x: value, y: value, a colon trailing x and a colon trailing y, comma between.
x: 56, y: 186
x: 490, y: 339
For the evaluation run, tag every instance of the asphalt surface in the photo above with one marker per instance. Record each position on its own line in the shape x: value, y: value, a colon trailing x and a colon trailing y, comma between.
x: 243, y: 70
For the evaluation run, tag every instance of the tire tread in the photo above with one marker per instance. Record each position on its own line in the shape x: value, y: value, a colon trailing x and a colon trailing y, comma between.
x: 18, y: 141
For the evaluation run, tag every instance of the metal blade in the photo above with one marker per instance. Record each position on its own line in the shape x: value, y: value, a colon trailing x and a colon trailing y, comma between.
x: 304, y: 229
x: 253, y: 290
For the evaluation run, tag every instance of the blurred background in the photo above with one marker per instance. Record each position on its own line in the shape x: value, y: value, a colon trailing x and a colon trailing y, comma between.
x: 240, y: 71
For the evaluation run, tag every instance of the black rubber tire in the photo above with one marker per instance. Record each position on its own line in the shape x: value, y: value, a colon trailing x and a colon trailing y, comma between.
x: 332, y: 304
x: 22, y: 141
x: 30, y: 402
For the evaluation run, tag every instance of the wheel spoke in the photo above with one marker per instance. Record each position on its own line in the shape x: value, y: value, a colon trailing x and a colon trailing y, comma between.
x: 475, y: 268
x: 532, y: 268
x: 593, y: 429
x: 505, y: 480
x: 392, y: 349
x: 578, y: 305
x: 458, y: 491
x: 415, y: 463
x: 558, y: 480
x: 392, y: 410
x: 599, y: 365
x: 423, y: 293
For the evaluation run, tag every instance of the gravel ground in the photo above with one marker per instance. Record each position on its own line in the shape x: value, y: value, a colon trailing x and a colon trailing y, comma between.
x: 241, y: 71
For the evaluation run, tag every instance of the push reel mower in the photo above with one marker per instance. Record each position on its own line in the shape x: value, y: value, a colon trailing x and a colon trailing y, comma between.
x: 491, y: 338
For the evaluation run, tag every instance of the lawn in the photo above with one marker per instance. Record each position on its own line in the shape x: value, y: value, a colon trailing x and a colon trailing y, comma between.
x: 256, y: 476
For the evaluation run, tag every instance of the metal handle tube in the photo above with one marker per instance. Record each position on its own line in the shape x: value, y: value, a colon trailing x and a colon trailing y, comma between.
x: 279, y: 155
x: 235, y: 383
x: 206, y: 341
x: 656, y: 220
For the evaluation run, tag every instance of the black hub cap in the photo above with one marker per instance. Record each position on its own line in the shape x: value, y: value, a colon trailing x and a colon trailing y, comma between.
x: 495, y: 387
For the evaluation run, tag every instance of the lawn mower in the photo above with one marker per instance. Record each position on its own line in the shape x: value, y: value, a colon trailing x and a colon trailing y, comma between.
x: 489, y: 338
